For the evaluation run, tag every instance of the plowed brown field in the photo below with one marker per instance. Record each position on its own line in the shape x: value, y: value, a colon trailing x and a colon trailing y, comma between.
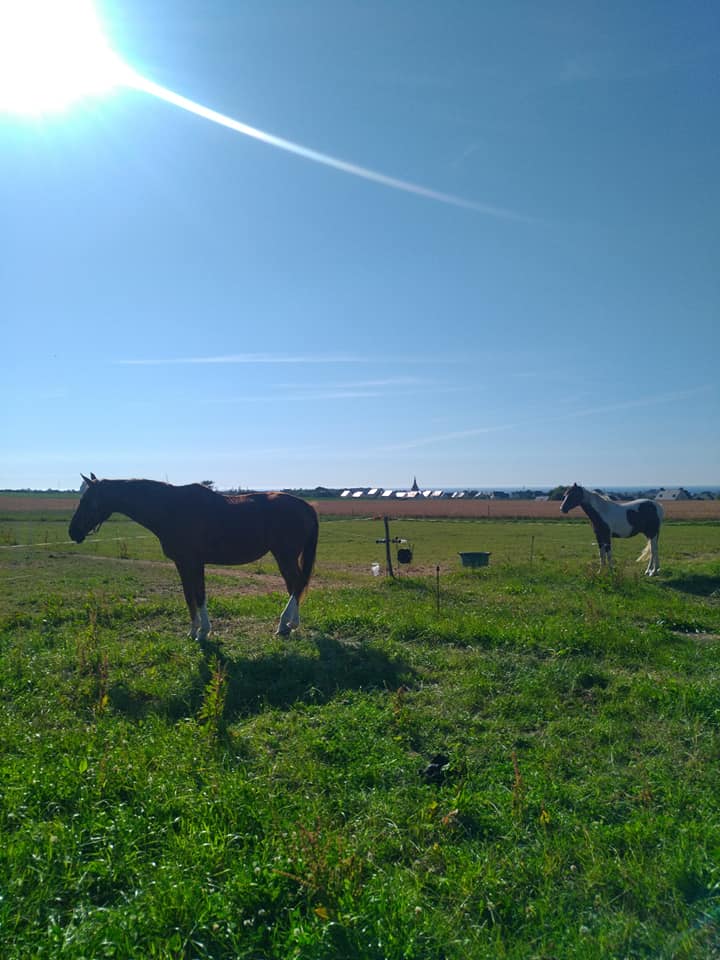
x: 499, y: 509
x: 467, y: 509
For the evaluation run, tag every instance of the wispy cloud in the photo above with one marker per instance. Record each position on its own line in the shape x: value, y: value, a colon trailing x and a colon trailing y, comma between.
x: 289, y: 359
x: 649, y: 401
x: 362, y: 384
x: 623, y: 405
x: 283, y: 396
x: 464, y: 155
x: 248, y: 358
x: 444, y: 438
x: 393, y: 387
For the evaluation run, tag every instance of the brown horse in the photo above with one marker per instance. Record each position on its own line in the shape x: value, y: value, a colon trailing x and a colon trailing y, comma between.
x: 196, y: 526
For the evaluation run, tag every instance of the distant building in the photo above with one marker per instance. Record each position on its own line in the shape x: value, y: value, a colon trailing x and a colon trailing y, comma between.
x: 673, y: 493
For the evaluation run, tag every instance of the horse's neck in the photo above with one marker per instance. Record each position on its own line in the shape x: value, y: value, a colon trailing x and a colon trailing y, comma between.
x: 144, y: 501
x: 594, y: 503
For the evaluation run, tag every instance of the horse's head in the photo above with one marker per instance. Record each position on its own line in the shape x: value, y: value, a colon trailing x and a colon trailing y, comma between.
x: 573, y: 498
x: 91, y: 512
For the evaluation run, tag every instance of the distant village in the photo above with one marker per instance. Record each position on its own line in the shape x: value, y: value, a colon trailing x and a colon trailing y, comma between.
x: 415, y: 492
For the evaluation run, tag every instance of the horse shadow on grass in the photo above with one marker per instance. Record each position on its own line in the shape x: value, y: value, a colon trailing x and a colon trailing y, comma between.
x: 697, y: 584
x: 275, y: 680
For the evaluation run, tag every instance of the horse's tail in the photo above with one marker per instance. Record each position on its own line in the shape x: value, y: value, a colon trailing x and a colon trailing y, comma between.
x: 645, y: 555
x: 308, y: 552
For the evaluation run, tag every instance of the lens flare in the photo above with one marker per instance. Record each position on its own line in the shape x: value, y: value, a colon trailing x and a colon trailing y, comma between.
x: 344, y: 166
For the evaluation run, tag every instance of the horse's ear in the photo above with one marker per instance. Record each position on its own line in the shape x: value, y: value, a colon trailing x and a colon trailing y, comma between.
x: 93, y: 477
x: 85, y: 479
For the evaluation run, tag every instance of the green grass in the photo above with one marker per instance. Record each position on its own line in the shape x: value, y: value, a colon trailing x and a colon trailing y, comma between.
x: 265, y: 798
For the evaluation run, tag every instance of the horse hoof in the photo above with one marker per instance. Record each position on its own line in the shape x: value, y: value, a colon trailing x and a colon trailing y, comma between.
x: 282, y: 631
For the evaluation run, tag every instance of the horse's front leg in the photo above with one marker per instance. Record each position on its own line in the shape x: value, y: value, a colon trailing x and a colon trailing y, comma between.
x: 605, y: 554
x: 192, y: 576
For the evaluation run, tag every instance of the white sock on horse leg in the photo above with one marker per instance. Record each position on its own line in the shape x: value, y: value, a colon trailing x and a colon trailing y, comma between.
x: 204, y: 622
x: 290, y: 617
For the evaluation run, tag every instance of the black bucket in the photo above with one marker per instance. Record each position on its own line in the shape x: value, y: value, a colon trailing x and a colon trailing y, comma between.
x: 474, y: 558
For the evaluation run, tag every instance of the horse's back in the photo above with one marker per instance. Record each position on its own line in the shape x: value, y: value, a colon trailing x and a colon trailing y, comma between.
x: 646, y: 507
x: 228, y: 529
x: 254, y: 523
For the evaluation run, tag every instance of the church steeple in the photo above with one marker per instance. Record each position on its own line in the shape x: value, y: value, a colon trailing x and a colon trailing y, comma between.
x: 415, y: 486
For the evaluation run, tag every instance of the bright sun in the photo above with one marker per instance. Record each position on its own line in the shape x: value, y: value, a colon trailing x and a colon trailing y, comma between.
x: 52, y: 53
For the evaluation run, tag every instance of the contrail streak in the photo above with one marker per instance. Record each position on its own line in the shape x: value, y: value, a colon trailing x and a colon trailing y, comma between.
x: 149, y: 86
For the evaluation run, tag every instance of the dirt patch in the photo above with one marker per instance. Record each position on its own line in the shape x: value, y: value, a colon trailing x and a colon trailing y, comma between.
x: 13, y: 504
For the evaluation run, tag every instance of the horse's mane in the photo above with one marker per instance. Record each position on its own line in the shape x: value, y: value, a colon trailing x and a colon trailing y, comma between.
x: 600, y: 494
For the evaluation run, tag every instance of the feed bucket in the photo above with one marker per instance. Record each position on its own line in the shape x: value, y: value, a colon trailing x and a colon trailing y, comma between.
x: 474, y: 558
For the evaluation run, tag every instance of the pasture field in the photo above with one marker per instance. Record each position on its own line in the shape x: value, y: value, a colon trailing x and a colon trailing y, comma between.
x: 268, y: 798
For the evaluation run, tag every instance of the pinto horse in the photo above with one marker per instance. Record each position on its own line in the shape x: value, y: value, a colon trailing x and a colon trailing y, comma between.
x: 610, y: 519
x: 196, y: 526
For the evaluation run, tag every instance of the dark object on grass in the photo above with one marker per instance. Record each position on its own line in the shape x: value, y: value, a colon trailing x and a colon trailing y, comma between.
x: 474, y: 558
x: 436, y: 770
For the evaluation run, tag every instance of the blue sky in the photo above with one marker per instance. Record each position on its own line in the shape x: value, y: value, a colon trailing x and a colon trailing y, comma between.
x: 182, y: 302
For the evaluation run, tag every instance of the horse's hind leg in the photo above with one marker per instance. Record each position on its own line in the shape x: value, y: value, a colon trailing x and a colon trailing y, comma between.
x: 292, y: 575
x: 290, y: 617
x: 653, y: 566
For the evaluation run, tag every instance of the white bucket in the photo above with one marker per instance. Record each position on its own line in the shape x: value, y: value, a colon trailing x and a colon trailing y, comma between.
x: 375, y: 568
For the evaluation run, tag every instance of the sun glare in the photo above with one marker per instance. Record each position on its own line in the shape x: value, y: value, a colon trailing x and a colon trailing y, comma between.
x: 52, y: 53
